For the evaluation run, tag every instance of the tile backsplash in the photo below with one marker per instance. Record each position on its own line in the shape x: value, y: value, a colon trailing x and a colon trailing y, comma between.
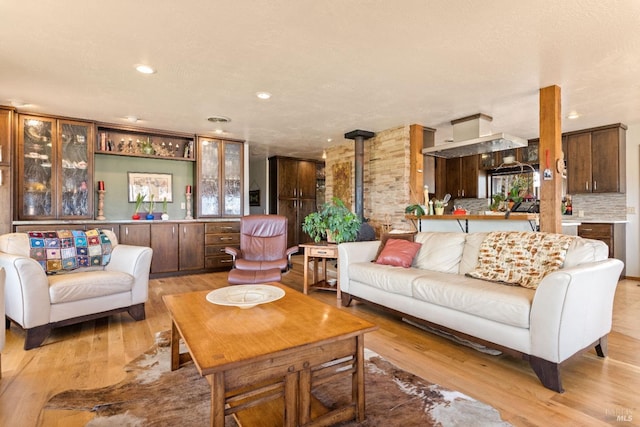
x: 596, y: 207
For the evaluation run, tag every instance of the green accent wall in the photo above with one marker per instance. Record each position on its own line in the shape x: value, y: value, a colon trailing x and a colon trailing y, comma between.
x: 113, y: 171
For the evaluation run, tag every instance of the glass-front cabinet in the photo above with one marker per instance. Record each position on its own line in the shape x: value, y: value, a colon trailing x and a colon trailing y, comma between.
x: 220, y: 170
x: 54, y: 168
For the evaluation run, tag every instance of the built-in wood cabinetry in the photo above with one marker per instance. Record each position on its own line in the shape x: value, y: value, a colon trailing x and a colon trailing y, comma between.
x: 292, y: 186
x: 613, y: 234
x: 54, y: 168
x: 135, y: 234
x: 464, y: 178
x: 6, y: 142
x: 219, y: 235
x: 219, y: 176
x: 177, y: 247
x: 596, y: 160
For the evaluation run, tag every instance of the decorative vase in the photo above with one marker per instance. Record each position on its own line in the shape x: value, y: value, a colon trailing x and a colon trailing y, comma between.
x: 164, y: 216
x: 150, y: 216
x: 135, y: 216
x: 439, y: 211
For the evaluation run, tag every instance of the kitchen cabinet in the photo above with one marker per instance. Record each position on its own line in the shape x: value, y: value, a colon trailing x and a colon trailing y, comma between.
x: 219, y: 190
x: 191, y: 246
x: 177, y: 247
x: 217, y: 236
x: 135, y: 234
x: 613, y: 234
x: 292, y: 186
x: 6, y: 142
x: 596, y: 160
x: 54, y: 168
x: 464, y: 178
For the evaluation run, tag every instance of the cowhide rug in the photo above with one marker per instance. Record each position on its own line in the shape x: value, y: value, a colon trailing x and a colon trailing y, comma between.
x: 152, y: 395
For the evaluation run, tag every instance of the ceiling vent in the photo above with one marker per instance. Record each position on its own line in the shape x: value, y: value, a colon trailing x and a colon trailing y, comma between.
x: 219, y: 119
x: 472, y: 135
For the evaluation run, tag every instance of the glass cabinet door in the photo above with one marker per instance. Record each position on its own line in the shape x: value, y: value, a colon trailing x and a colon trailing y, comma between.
x: 54, y: 168
x: 219, y: 179
x: 74, y: 197
x: 36, y: 157
x: 232, y: 179
x: 208, y: 189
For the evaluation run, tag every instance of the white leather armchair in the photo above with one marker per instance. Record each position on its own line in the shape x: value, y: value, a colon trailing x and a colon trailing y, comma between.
x: 39, y: 302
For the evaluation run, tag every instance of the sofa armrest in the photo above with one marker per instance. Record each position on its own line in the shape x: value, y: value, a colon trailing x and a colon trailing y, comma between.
x: 136, y: 261
x: 572, y: 308
x: 27, y: 299
x: 351, y: 252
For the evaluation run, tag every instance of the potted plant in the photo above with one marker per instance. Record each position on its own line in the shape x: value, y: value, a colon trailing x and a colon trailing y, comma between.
x: 139, y: 199
x: 150, y: 208
x: 334, y: 221
x: 416, y: 210
x: 496, y: 202
x: 165, y: 215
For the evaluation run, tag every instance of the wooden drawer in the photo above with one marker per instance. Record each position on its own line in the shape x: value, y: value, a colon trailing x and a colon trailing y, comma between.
x: 217, y: 250
x: 222, y: 227
x: 323, y: 251
x: 218, y: 262
x: 596, y: 231
x: 25, y: 228
x: 222, y: 239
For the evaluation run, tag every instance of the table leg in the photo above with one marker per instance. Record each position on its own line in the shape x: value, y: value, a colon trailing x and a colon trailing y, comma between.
x: 217, y: 399
x: 291, y: 399
x: 315, y: 271
x: 305, y: 394
x: 324, y: 270
x: 338, y: 291
x: 305, y: 289
x: 175, y: 347
x: 358, y: 384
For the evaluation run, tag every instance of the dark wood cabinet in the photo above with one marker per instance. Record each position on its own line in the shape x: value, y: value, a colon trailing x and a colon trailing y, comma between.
x: 292, y: 184
x: 135, y: 234
x: 164, y: 242
x: 6, y: 142
x: 191, y: 246
x: 54, y: 168
x: 596, y: 160
x: 613, y: 234
x: 217, y: 236
x: 464, y: 178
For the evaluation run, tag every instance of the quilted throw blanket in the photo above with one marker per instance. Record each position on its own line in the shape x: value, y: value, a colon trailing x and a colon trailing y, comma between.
x: 520, y: 258
x: 65, y: 250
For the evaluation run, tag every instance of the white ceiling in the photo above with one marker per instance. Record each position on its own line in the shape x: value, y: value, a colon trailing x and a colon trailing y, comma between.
x: 332, y: 65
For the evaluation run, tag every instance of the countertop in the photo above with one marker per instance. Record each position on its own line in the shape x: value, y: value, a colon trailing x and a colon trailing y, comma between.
x: 514, y: 216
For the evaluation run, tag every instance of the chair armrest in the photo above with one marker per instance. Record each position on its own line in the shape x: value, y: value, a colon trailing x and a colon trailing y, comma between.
x: 290, y: 251
x: 136, y: 261
x: 351, y: 252
x: 572, y: 308
x: 27, y: 299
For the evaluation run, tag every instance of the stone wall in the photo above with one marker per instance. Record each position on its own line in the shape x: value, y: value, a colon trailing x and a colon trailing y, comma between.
x: 386, y: 176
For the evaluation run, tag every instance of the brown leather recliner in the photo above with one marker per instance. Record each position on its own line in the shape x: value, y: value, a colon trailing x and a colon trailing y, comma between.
x: 263, y: 244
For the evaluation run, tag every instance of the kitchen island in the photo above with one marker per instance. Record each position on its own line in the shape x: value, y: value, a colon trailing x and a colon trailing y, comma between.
x: 473, y: 223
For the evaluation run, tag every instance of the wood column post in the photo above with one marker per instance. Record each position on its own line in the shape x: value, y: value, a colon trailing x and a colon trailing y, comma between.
x: 550, y: 152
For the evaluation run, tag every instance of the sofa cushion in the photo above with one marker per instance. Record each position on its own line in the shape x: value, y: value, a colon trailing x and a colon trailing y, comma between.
x: 396, y: 280
x: 88, y: 284
x: 510, y: 305
x: 386, y: 236
x: 440, y: 251
x: 69, y: 249
x: 521, y: 258
x: 470, y: 252
x: 399, y: 253
x: 585, y: 250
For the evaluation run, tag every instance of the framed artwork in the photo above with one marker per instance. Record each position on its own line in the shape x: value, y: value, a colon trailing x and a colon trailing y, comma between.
x: 157, y: 184
x: 254, y: 197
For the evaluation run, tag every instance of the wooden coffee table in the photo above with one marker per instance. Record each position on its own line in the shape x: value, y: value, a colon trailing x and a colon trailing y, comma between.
x: 264, y: 361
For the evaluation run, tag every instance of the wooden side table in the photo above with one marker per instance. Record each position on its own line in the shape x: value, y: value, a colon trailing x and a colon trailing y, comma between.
x: 322, y: 251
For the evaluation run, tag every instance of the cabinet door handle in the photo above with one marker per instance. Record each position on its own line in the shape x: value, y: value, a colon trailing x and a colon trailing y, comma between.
x: 226, y: 228
x: 0, y: 175
x: 587, y: 229
x: 226, y: 238
x: 463, y: 192
x: 173, y: 230
x: 0, y: 153
x: 586, y: 185
x: 126, y: 231
x: 226, y: 261
x: 595, y: 185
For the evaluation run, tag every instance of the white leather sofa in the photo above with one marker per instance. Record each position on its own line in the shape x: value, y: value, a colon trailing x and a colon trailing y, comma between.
x: 39, y: 302
x: 570, y: 310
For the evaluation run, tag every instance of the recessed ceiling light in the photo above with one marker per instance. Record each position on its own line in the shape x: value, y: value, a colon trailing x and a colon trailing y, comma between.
x: 219, y: 119
x: 145, y: 69
x: 329, y: 139
x: 573, y: 115
x: 263, y: 95
x: 132, y: 119
x: 219, y: 131
x: 18, y: 104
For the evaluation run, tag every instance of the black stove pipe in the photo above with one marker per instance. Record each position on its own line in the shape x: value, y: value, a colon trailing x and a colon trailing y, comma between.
x: 359, y: 136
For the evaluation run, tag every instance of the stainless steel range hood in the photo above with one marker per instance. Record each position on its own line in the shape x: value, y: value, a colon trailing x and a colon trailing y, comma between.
x: 471, y: 135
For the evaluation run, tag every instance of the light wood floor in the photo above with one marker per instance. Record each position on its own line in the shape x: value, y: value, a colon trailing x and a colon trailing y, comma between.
x: 93, y: 354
